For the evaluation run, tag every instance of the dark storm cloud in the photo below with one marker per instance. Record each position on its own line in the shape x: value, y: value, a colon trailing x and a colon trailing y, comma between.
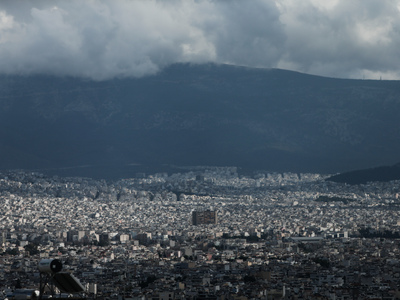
x: 248, y: 34
x: 104, y: 39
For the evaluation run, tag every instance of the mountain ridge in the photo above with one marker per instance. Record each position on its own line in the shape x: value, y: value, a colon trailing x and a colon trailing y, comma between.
x: 201, y: 115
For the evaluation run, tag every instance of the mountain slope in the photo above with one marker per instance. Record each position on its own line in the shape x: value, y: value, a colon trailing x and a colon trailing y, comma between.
x: 382, y: 174
x: 201, y: 115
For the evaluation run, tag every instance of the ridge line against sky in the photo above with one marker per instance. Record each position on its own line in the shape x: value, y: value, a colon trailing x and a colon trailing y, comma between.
x: 101, y: 39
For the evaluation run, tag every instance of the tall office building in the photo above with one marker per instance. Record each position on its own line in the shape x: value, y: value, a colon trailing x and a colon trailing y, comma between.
x: 3, y: 237
x: 204, y: 217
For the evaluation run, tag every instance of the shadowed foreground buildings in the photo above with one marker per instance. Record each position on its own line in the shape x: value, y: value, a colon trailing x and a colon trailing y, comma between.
x: 204, y: 217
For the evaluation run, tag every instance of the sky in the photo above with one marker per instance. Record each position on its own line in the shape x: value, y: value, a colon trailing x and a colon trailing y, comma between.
x: 104, y: 39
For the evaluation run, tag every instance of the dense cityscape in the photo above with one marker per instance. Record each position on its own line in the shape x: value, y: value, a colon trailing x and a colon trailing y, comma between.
x: 205, y: 233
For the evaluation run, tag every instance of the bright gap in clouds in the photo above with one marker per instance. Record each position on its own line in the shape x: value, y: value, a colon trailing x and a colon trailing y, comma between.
x: 127, y: 38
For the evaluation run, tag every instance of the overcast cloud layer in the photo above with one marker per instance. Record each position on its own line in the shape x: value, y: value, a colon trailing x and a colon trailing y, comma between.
x: 120, y: 38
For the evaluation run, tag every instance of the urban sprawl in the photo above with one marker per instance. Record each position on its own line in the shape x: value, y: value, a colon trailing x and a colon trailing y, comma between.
x: 204, y: 233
